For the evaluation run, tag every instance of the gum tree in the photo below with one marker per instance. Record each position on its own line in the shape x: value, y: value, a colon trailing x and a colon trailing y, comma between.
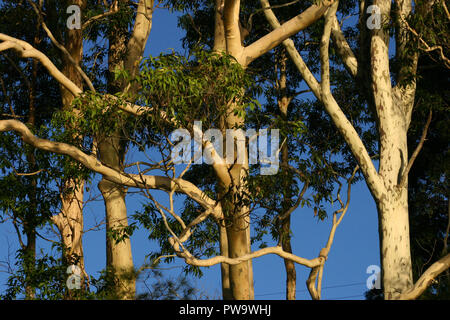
x: 228, y: 39
x: 390, y: 92
x: 108, y: 20
x: 232, y: 202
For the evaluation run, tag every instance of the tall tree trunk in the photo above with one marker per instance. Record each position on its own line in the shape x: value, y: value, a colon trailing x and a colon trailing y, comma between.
x: 220, y: 46
x: 224, y: 268
x: 393, y: 209
x: 237, y: 216
x: 30, y: 225
x: 29, y: 263
x: 394, y: 107
x: 237, y: 280
x: 285, y: 230
x: 70, y: 220
x: 119, y: 258
x: 111, y: 149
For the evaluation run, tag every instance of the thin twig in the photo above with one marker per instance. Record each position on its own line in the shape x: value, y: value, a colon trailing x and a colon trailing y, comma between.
x: 416, y: 152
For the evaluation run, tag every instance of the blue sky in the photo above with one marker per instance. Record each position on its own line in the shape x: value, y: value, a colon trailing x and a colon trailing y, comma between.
x: 355, y: 246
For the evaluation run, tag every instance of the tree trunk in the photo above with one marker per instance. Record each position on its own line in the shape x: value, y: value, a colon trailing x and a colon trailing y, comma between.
x: 393, y: 211
x: 236, y: 216
x: 224, y: 268
x: 70, y: 220
x: 234, y: 242
x: 393, y: 107
x: 29, y: 263
x: 112, y: 152
x: 395, y: 246
x: 238, y: 246
x: 291, y: 275
x: 30, y: 223
x: 119, y: 258
x: 285, y: 232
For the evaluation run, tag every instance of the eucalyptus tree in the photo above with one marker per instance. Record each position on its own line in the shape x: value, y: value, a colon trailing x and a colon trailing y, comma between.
x: 391, y: 99
x: 27, y: 93
x: 228, y: 40
x: 65, y: 32
x: 308, y: 139
x: 168, y: 94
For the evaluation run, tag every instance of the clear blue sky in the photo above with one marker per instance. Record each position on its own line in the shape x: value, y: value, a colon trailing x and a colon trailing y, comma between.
x: 354, y: 249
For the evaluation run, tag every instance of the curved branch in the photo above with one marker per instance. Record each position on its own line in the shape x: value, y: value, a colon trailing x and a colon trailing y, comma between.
x: 296, y: 58
x: 284, y: 31
x: 128, y: 180
x: 61, y: 47
x: 426, y: 279
x: 341, y: 121
x: 112, y: 10
x: 233, y: 261
x: 25, y: 50
x: 416, y: 152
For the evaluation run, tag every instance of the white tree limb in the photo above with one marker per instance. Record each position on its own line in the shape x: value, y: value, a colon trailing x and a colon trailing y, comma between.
x: 233, y: 261
x: 309, y: 78
x: 125, y: 179
x: 426, y: 279
x: 343, y: 48
x: 25, y: 50
x: 323, y: 93
x: 284, y: 31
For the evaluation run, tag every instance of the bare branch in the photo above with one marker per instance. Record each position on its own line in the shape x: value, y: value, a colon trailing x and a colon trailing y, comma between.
x: 60, y: 46
x: 233, y: 261
x: 416, y: 152
x: 114, y: 8
x: 425, y: 45
x: 296, y: 204
x: 317, y: 272
x: 341, y: 121
x: 343, y: 48
x: 426, y: 279
x: 287, y: 29
x: 293, y: 52
x: 129, y: 180
x: 25, y: 50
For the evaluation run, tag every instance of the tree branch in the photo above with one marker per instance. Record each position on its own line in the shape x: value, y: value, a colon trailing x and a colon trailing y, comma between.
x: 426, y: 279
x: 125, y: 179
x: 112, y: 10
x: 233, y: 261
x: 317, y: 272
x: 61, y: 47
x: 416, y: 152
x: 231, y: 11
x: 425, y: 45
x: 340, y: 120
x: 287, y: 29
x: 309, y: 78
x: 25, y: 50
x: 344, y: 126
x: 343, y: 48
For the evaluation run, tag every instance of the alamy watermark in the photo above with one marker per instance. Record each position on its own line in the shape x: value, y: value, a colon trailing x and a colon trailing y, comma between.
x: 374, y: 20
x: 374, y: 280
x: 74, y: 20
x: 74, y: 280
x: 208, y: 147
